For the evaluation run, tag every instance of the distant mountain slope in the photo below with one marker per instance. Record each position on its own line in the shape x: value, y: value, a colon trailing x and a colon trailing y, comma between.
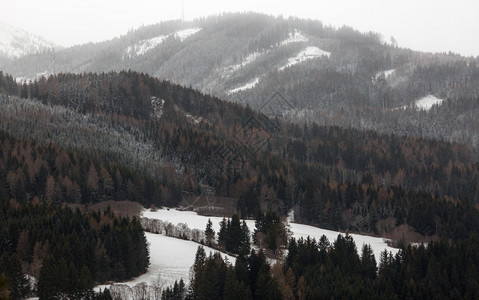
x: 131, y: 136
x: 329, y: 76
x: 16, y: 43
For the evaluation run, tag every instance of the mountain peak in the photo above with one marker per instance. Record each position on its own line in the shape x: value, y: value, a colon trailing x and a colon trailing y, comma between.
x: 16, y: 42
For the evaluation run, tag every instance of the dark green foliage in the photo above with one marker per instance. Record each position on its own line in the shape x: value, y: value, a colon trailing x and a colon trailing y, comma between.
x: 177, y: 292
x: 234, y: 236
x: 415, y: 272
x: 249, y: 279
x: 209, y: 233
x: 270, y: 231
x: 75, y: 249
x: 17, y: 283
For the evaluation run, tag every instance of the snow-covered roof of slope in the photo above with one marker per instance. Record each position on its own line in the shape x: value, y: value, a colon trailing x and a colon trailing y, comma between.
x: 306, y: 54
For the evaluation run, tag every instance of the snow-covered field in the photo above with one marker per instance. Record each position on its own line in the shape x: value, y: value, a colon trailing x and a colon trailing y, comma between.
x: 170, y: 260
x: 427, y: 102
x: 306, y: 54
x: 196, y: 221
x: 143, y: 46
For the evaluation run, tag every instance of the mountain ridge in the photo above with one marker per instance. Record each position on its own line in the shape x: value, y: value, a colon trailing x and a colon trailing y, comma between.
x: 331, y: 76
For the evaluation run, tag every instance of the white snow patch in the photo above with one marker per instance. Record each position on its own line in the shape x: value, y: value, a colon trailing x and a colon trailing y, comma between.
x: 170, y: 259
x: 186, y: 33
x: 247, y: 86
x: 306, y: 54
x: 427, y: 102
x: 195, y: 221
x: 143, y: 46
x: 15, y: 42
x: 31, y: 79
x: 385, y: 73
x: 248, y: 59
x: 294, y: 37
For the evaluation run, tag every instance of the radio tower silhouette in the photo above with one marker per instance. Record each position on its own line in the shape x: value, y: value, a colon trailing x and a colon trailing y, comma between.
x: 182, y: 10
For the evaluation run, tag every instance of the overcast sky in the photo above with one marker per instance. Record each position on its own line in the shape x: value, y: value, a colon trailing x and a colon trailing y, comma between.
x: 426, y: 25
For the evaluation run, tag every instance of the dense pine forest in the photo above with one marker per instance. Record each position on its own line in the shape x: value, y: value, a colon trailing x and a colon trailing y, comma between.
x: 88, y: 138
x: 325, y: 270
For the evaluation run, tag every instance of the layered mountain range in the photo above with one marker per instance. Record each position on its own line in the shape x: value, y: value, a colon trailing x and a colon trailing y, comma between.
x: 327, y: 75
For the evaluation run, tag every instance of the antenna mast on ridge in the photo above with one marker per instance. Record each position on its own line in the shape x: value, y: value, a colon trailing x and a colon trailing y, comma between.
x: 182, y: 10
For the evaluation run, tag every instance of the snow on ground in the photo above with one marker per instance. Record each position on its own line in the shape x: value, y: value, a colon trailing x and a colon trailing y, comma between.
x: 196, y: 221
x: 170, y: 260
x: 143, y: 46
x: 385, y: 73
x: 248, y: 59
x: 31, y: 79
x: 307, y: 54
x: 16, y: 42
x: 294, y: 37
x: 186, y: 33
x: 247, y: 86
x: 427, y: 102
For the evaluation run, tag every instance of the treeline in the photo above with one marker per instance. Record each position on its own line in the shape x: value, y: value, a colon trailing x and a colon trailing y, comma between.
x: 213, y: 278
x: 439, y: 270
x: 323, y: 270
x: 66, y: 251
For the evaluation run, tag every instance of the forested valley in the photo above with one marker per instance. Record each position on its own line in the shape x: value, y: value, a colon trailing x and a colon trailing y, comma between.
x: 92, y: 137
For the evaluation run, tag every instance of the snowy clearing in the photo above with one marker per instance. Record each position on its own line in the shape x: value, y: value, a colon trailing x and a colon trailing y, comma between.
x: 307, y: 54
x: 427, y: 102
x: 196, y: 221
x: 170, y: 260
x: 143, y: 46
x: 247, y: 86
x: 248, y: 59
x: 294, y: 37
x: 186, y: 33
x: 385, y: 73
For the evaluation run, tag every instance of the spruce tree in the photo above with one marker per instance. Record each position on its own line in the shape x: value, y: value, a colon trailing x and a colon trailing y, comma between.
x: 209, y: 233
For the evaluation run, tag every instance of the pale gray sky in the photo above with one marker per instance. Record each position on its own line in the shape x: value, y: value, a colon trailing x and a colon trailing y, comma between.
x: 426, y: 25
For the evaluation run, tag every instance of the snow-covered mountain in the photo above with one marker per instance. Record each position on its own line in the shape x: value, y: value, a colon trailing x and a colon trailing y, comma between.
x: 331, y: 76
x: 16, y: 42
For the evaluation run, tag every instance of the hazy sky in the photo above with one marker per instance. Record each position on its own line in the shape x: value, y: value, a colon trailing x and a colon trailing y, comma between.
x: 429, y: 25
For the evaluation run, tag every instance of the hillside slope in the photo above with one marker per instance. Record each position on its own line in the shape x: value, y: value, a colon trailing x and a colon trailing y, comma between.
x: 329, y: 76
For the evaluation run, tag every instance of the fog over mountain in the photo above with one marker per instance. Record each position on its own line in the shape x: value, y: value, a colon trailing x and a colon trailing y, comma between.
x: 16, y: 43
x: 328, y: 75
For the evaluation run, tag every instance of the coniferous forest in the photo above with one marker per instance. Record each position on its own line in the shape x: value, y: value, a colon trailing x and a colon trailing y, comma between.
x: 80, y: 139
x: 325, y: 270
